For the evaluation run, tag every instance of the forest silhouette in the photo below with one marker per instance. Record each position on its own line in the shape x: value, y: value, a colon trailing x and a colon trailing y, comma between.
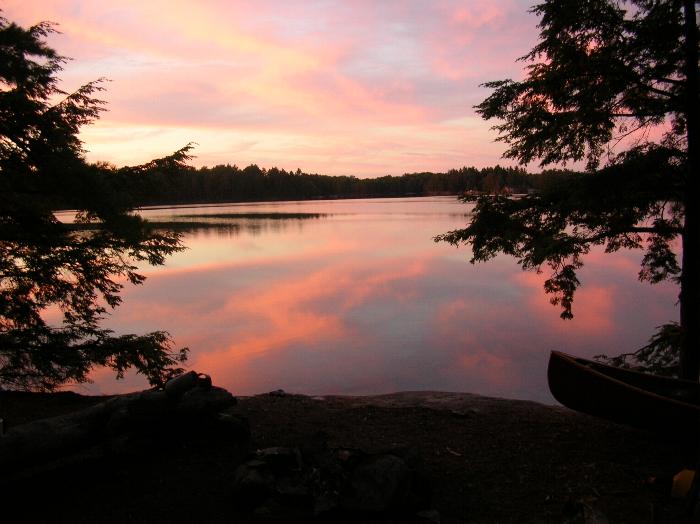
x: 185, y: 184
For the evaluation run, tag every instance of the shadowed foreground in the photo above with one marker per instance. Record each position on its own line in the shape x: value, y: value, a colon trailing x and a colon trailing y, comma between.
x: 488, y: 460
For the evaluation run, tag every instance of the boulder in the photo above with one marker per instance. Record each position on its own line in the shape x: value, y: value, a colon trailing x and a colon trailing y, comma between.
x: 280, y: 459
x: 253, y: 483
x: 282, y: 484
x: 232, y: 425
x: 378, y: 484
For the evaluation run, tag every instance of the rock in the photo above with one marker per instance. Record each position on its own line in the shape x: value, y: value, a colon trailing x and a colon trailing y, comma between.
x: 232, y: 425
x: 379, y: 483
x: 280, y: 484
x: 271, y: 511
x: 349, y: 457
x: 314, y: 448
x: 280, y: 459
x: 325, y: 503
x: 252, y: 484
x: 294, y: 491
x: 421, y: 496
x: 430, y: 516
x: 583, y: 510
x: 593, y: 515
x: 119, y: 422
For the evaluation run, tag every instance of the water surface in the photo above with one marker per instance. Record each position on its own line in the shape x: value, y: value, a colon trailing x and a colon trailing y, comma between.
x: 354, y: 297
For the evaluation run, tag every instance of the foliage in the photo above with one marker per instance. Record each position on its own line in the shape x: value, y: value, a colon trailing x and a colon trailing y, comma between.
x: 659, y: 356
x: 229, y: 183
x: 602, y: 71
x: 629, y: 204
x: 604, y: 74
x: 57, y: 284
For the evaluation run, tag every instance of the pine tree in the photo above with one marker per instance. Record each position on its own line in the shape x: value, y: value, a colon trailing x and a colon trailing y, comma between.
x: 604, y: 71
x: 46, y: 266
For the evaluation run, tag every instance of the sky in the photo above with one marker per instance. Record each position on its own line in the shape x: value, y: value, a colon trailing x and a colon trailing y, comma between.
x: 363, y: 87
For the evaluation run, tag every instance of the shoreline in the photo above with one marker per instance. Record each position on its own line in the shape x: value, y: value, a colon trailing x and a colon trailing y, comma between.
x: 37, y: 405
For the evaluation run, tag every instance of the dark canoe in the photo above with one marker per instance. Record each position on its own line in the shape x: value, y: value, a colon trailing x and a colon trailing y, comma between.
x: 661, y: 404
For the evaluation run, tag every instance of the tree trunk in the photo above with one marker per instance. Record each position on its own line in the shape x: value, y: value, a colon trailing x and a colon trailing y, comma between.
x: 690, y: 275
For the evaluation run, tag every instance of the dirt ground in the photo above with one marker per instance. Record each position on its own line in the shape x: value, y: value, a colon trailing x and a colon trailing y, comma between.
x: 489, y: 460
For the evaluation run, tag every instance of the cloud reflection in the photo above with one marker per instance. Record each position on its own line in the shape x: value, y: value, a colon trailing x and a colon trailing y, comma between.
x: 371, y: 305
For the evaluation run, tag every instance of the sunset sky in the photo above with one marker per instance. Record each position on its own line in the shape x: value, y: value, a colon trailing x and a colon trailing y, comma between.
x: 362, y: 87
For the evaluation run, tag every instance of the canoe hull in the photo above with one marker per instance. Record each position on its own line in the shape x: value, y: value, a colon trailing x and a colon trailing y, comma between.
x: 660, y: 404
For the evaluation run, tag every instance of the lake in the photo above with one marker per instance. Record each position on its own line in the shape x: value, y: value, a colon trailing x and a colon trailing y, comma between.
x: 354, y: 297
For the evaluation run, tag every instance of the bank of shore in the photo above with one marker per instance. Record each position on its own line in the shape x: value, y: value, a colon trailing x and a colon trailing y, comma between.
x: 489, y: 460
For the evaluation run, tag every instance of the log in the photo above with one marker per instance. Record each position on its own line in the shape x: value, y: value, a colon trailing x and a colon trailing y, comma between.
x: 53, y: 438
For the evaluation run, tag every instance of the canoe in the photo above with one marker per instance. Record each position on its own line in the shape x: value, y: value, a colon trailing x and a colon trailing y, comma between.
x: 661, y: 404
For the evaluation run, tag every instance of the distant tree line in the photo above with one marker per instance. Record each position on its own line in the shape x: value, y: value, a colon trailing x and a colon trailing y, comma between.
x: 180, y: 184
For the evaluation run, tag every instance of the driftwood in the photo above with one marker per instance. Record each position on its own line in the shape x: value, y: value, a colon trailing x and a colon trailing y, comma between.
x: 186, y: 400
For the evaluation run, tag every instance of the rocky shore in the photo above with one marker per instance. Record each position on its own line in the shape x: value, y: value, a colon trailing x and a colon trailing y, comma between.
x: 204, y: 456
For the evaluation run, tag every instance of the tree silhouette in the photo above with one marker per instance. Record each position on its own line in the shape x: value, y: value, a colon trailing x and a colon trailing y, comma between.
x: 57, y: 281
x: 604, y: 73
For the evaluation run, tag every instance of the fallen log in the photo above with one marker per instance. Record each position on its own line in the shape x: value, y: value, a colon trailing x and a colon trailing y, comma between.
x: 187, y: 398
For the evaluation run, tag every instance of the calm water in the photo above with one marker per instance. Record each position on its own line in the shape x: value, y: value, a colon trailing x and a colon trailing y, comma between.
x: 354, y: 297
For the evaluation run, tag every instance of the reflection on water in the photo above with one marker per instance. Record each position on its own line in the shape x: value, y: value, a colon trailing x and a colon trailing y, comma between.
x: 354, y: 297
x: 231, y: 224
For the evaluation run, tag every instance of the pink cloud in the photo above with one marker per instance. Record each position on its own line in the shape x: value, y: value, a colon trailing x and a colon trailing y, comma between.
x: 304, y: 83
x: 238, y: 327
x: 607, y: 294
x: 478, y: 15
x: 287, y: 315
x: 593, y: 305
